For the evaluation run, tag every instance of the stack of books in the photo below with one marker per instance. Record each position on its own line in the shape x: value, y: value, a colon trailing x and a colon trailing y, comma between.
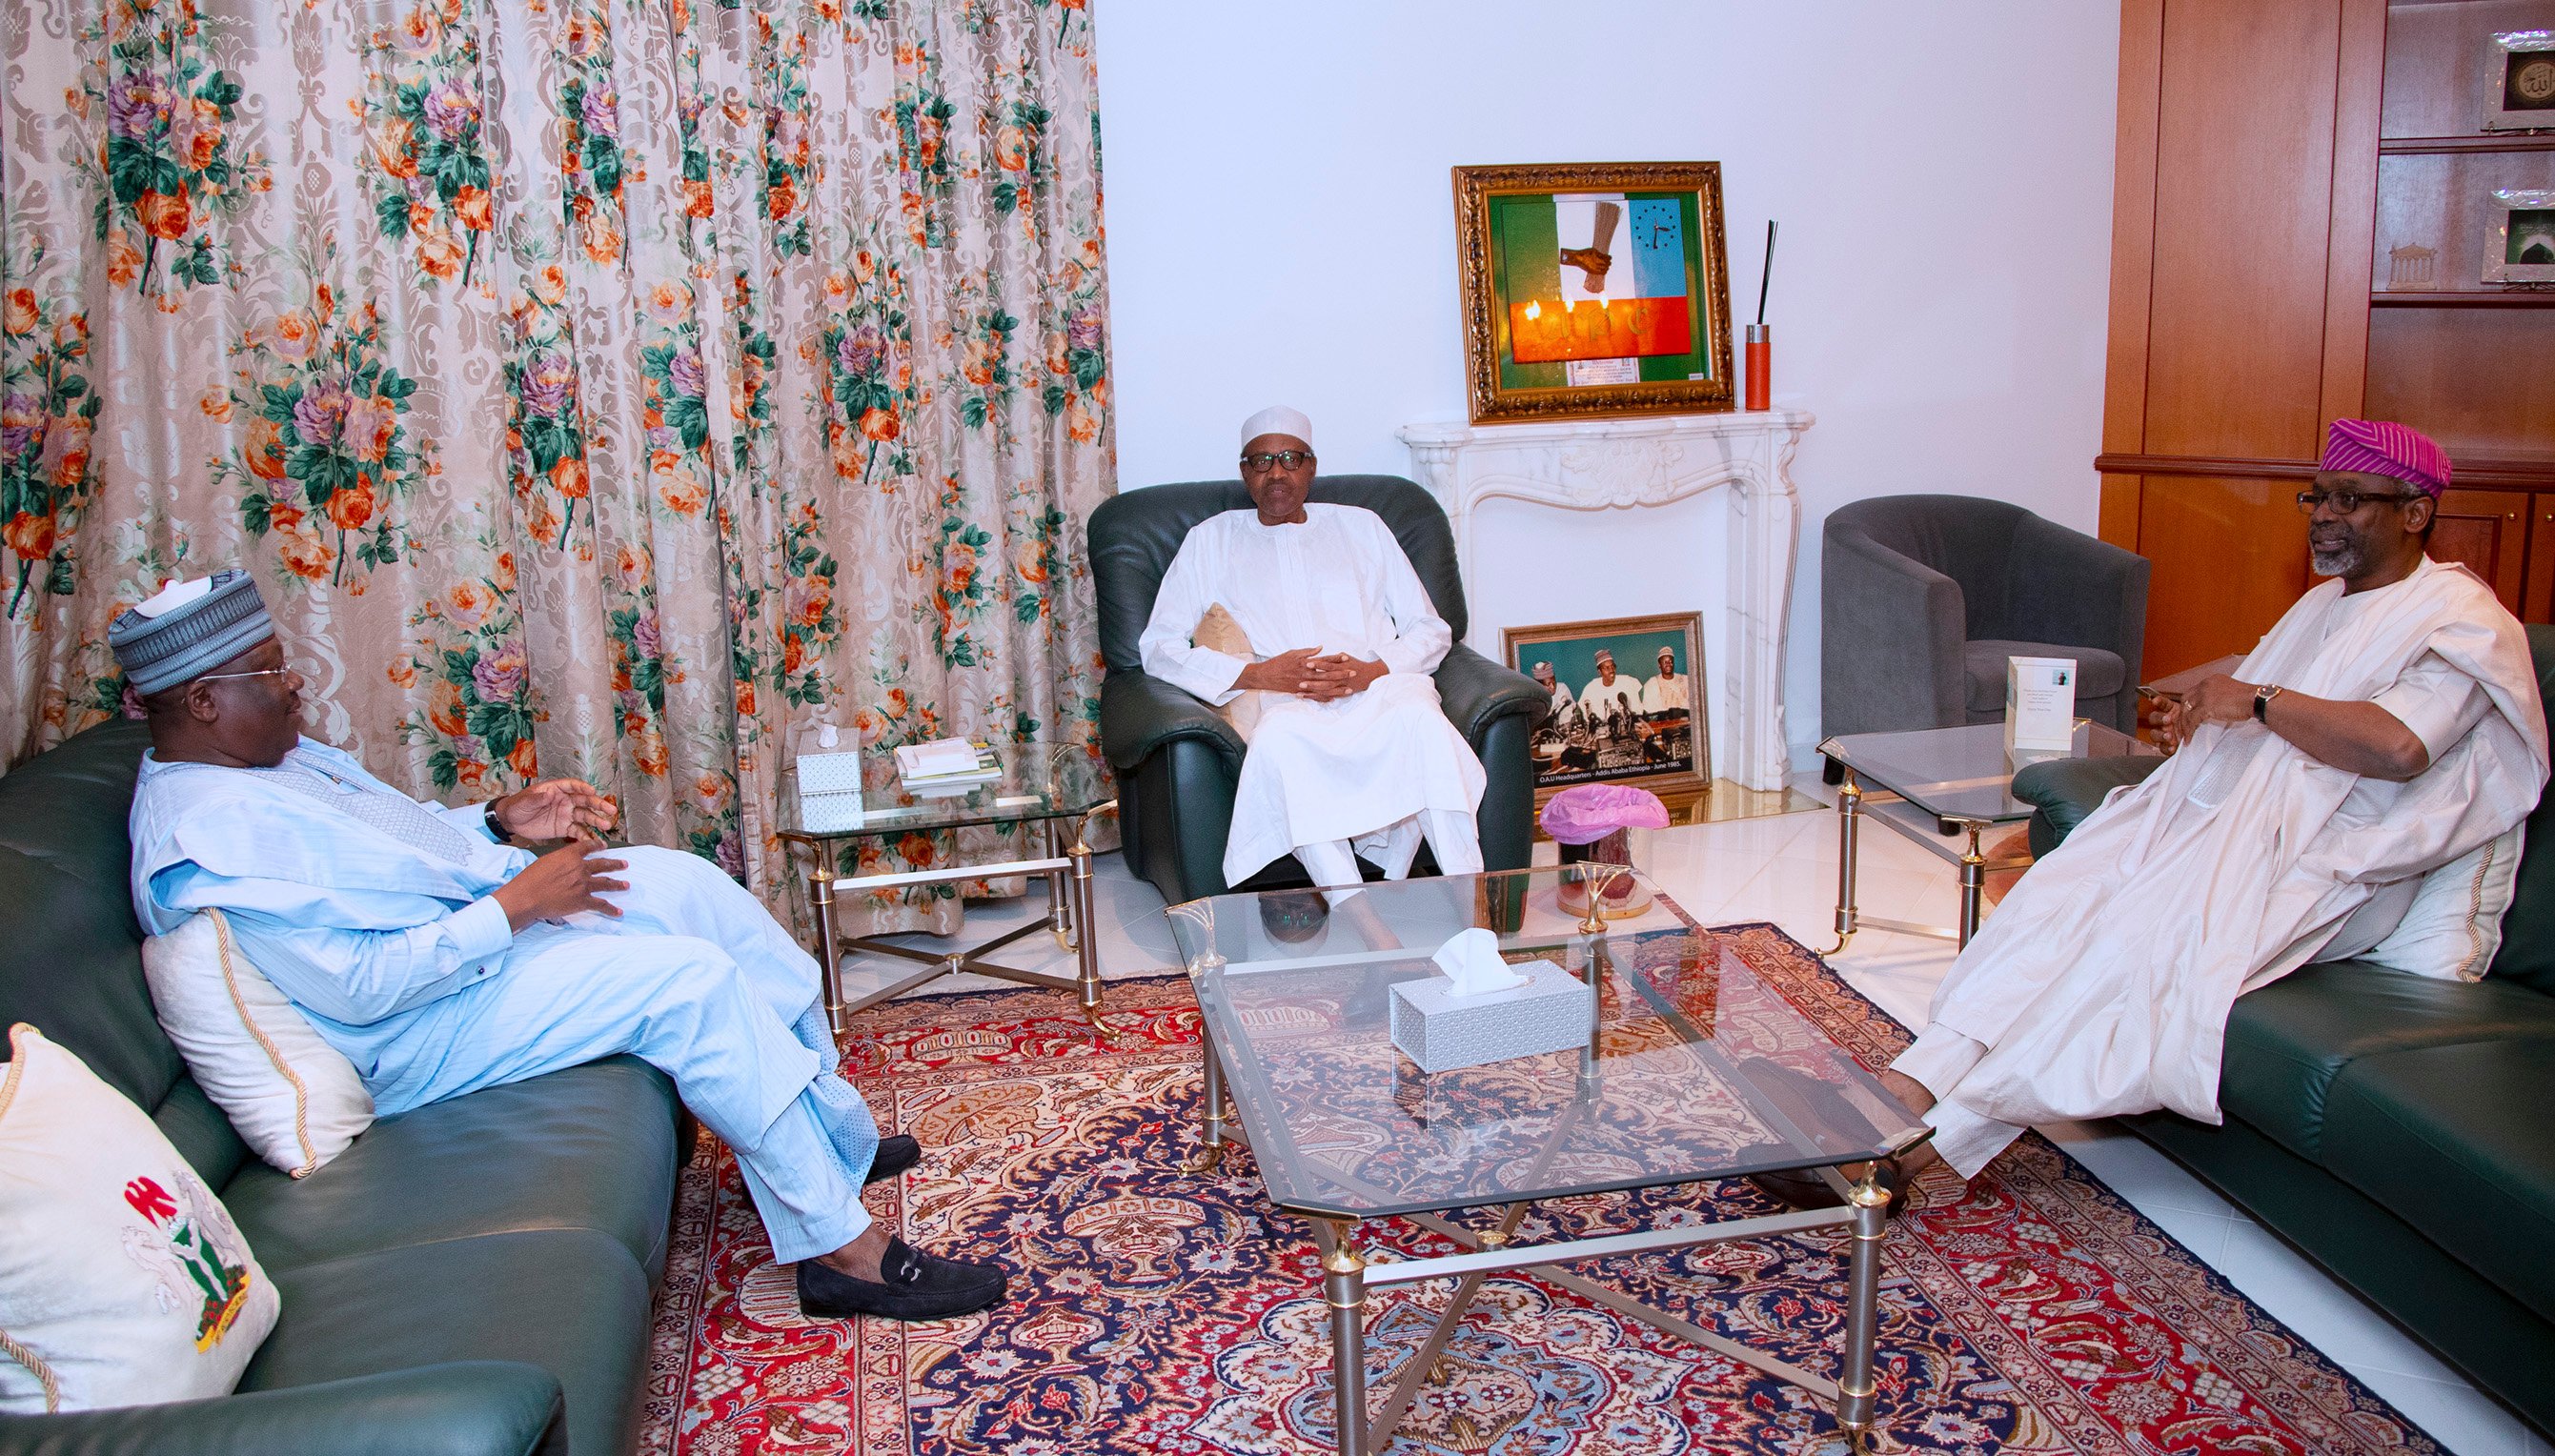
x: 947, y: 766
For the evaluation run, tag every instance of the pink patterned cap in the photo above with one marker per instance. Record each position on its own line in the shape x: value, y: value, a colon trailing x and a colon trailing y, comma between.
x: 2383, y: 447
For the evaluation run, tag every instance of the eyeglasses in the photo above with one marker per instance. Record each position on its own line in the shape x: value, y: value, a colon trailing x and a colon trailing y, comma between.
x: 261, y: 673
x: 2344, y: 501
x: 1287, y: 459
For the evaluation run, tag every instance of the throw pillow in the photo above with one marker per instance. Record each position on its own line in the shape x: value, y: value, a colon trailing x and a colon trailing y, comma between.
x: 294, y: 1098
x: 2452, y: 927
x: 122, y: 1280
x: 1217, y: 631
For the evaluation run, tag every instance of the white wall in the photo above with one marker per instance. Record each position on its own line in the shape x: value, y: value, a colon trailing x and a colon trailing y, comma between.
x: 1281, y: 230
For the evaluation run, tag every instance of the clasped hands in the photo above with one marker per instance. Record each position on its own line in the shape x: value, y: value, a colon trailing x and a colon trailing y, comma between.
x: 571, y: 878
x: 2218, y: 698
x: 1305, y: 674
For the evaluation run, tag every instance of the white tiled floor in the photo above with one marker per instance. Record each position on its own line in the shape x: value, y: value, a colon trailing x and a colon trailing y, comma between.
x: 1783, y: 869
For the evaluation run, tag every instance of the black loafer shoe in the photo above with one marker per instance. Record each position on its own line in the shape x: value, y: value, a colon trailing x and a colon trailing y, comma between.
x: 917, y: 1287
x: 895, y: 1154
x: 1804, y: 1189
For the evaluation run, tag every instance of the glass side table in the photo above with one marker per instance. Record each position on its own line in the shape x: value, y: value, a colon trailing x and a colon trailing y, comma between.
x: 1054, y: 789
x: 1694, y: 1071
x: 1928, y: 782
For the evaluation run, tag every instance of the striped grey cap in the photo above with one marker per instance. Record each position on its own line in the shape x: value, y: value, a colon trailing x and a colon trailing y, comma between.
x: 190, y: 640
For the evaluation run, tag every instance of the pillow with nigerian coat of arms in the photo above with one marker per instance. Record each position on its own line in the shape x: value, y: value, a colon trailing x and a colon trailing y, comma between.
x: 122, y: 1280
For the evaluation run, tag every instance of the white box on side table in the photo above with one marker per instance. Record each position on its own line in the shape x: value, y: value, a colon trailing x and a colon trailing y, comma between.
x: 1553, y: 1012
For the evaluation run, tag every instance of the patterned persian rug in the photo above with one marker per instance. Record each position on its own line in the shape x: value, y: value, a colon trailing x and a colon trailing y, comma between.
x: 1158, y: 1310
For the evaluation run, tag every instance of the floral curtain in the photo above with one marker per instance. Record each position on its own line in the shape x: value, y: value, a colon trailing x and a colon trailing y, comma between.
x: 595, y: 388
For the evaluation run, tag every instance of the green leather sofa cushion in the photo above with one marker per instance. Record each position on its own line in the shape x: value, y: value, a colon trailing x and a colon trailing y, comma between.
x: 569, y: 1300
x: 66, y: 806
x: 2287, y: 1042
x: 2062, y: 791
x: 475, y: 1408
x: 2527, y: 955
x: 2456, y: 1140
x: 589, y: 1148
x: 70, y: 965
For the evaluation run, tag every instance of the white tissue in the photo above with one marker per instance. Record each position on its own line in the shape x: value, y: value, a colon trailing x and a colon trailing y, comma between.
x: 1471, y: 960
x: 172, y: 596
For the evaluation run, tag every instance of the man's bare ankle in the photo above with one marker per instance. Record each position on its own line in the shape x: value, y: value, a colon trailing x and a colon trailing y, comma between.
x: 859, y: 1258
x: 1908, y: 1090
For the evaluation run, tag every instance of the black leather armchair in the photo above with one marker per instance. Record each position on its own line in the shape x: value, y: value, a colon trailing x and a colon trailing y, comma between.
x: 1177, y: 761
x: 1922, y: 598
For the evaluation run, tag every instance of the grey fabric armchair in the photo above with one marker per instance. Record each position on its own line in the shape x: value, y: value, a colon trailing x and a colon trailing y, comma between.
x: 1922, y: 598
x: 1177, y: 761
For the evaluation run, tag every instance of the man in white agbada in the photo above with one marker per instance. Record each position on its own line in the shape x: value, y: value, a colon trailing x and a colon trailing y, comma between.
x: 441, y: 959
x: 2389, y: 724
x: 1669, y: 692
x: 1562, y: 697
x: 1350, y: 753
x: 1611, y: 699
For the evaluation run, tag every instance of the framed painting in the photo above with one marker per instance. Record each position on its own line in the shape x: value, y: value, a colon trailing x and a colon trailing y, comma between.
x: 1593, y: 289
x: 1627, y: 707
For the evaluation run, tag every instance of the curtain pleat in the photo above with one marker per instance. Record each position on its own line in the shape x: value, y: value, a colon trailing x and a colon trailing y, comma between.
x: 604, y: 390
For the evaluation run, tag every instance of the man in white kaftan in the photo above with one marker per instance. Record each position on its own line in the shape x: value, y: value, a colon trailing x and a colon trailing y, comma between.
x: 1351, y: 752
x: 439, y: 960
x: 2389, y: 724
x: 1612, y: 700
x: 1671, y: 691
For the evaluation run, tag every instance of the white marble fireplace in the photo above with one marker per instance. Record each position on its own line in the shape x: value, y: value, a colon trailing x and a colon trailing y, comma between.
x: 1615, y: 464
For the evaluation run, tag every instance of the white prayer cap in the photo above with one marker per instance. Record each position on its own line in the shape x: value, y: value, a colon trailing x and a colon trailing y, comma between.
x: 1277, y: 419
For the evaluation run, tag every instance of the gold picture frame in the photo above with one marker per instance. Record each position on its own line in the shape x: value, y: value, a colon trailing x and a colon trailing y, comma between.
x: 1593, y: 289
x: 1642, y: 739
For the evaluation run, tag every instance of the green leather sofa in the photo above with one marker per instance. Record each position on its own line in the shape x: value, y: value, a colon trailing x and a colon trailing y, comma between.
x: 467, y: 1279
x: 2398, y: 1131
x: 1178, y: 761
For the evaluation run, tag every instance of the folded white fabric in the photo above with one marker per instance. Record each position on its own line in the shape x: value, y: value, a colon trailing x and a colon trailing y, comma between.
x: 294, y: 1098
x: 122, y: 1280
x: 2453, y: 928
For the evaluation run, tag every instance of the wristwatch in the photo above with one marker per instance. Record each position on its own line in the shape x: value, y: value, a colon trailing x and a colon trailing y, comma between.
x: 2263, y: 697
x: 497, y: 831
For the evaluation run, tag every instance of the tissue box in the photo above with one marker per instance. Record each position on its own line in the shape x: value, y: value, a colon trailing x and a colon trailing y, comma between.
x: 2039, y: 705
x: 1553, y: 1012
x: 829, y: 791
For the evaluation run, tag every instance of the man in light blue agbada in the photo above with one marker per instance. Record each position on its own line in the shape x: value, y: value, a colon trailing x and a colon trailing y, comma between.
x: 441, y: 959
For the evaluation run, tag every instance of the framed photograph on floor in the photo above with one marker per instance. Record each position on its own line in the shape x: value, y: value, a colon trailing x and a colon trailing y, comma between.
x: 1627, y: 704
x: 1593, y: 289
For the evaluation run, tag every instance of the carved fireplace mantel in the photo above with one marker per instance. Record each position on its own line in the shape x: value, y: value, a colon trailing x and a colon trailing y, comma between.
x: 1602, y: 464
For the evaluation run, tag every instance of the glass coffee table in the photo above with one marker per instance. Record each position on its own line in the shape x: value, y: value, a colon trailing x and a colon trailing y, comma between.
x: 1052, y: 791
x: 1931, y: 782
x: 1693, y: 1070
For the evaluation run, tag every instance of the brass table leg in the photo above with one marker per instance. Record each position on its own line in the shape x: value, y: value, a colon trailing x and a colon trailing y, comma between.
x: 829, y: 951
x: 1086, y: 948
x: 1344, y: 1289
x: 1211, y: 1105
x: 1974, y: 876
x: 1849, y: 827
x: 1059, y: 892
x: 1855, y: 1383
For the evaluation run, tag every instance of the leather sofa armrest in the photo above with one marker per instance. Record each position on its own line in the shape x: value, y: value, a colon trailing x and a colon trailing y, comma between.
x: 2063, y: 792
x: 1139, y: 712
x: 1477, y: 692
x: 470, y: 1407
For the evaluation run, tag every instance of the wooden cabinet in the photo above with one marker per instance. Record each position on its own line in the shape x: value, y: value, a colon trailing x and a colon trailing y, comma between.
x: 2274, y: 156
x: 2487, y: 530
